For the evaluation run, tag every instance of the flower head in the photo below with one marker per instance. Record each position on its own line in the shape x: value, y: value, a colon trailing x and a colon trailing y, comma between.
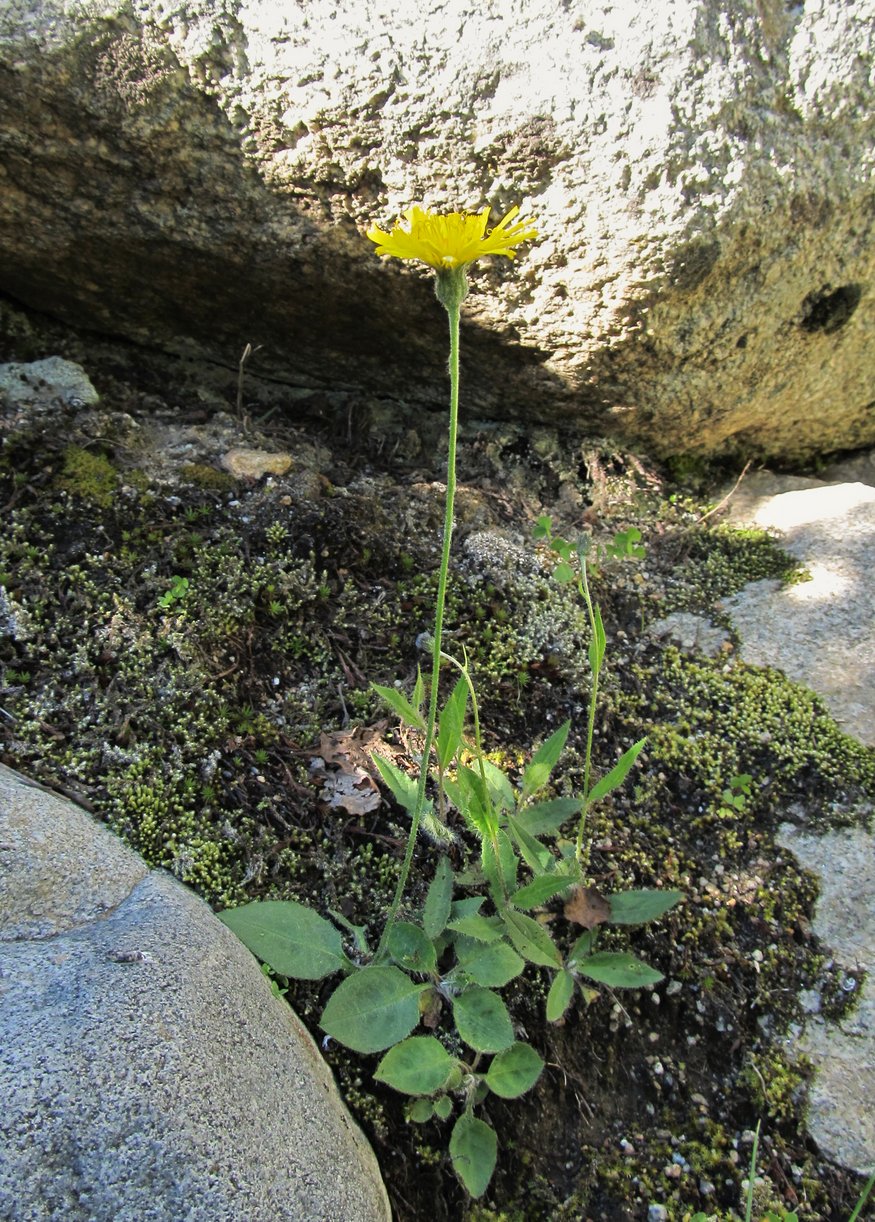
x: 453, y: 240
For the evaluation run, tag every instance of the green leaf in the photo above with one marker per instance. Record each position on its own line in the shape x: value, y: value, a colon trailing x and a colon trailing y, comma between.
x: 452, y: 724
x: 543, y: 526
x: 469, y: 906
x: 544, y: 761
x: 617, y: 775
x: 636, y: 907
x: 418, y: 695
x: 293, y: 939
x: 514, y: 1071
x: 598, y: 644
x: 559, y: 997
x: 618, y: 970
x: 563, y: 573
x: 359, y: 932
x: 484, y: 929
x: 420, y: 1111
x: 531, y: 939
x: 547, y: 817
x: 373, y: 1009
x: 473, y: 1149
x: 417, y: 1066
x: 499, y: 868
x: 437, y: 902
x: 443, y: 1107
x: 534, y: 854
x: 400, y: 705
x: 482, y: 1020
x: 467, y: 792
x: 403, y: 787
x: 540, y: 889
x: 411, y: 948
x: 500, y: 789
x: 581, y: 949
x: 493, y: 965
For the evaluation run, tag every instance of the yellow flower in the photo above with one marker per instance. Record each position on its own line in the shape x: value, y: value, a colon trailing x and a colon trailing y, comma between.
x: 451, y: 241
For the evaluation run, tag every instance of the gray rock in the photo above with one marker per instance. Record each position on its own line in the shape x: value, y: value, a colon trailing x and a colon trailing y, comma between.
x: 690, y: 632
x: 201, y: 175
x: 146, y: 1070
x: 50, y: 382
x: 841, y: 1102
x: 820, y: 632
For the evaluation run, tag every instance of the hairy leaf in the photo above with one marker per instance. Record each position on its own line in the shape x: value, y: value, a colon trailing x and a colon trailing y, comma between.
x: 419, y: 1065
x: 618, y: 970
x: 559, y: 997
x: 514, y: 1071
x: 492, y: 965
x: 617, y: 775
x: 438, y: 900
x: 293, y: 939
x: 401, y: 706
x: 473, y: 1150
x: 482, y: 1020
x: 373, y: 1009
x: 547, y: 817
x: 531, y: 939
x: 451, y: 724
x: 540, y: 889
x: 411, y: 948
x: 636, y: 907
x: 544, y: 761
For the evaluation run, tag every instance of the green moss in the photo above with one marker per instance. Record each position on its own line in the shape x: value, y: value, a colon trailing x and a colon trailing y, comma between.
x: 89, y: 475
x: 210, y: 479
x: 721, y: 561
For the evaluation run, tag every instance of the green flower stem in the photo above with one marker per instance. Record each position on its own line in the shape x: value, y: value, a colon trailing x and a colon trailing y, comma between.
x: 583, y: 586
x: 451, y: 289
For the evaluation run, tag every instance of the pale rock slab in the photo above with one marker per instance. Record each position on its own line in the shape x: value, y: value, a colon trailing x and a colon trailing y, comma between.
x: 146, y: 1070
x: 200, y: 176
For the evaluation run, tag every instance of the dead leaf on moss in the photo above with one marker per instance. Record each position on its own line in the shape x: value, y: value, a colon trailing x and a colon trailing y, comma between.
x: 343, y: 766
x: 588, y: 907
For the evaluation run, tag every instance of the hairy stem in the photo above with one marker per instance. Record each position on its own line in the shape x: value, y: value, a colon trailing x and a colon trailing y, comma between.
x: 452, y: 306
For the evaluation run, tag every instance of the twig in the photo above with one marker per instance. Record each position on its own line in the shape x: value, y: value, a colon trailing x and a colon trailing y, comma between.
x: 732, y: 491
x: 242, y: 418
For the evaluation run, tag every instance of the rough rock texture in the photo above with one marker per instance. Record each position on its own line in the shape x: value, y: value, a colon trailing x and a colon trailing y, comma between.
x: 822, y: 633
x: 841, y: 1103
x: 146, y: 1071
x: 198, y: 176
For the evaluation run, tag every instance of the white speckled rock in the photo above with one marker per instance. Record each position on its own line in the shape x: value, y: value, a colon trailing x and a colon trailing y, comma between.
x: 147, y: 1072
x: 822, y: 633
x: 202, y: 173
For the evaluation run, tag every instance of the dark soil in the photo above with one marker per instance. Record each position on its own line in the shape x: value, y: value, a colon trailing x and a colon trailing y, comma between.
x: 175, y: 641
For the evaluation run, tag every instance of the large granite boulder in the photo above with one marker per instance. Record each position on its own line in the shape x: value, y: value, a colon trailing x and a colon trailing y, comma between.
x: 199, y: 176
x: 147, y: 1073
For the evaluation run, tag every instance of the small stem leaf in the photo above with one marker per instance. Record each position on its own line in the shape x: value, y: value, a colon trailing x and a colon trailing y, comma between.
x: 482, y: 1020
x: 440, y: 896
x: 618, y: 970
x: 372, y: 1010
x: 418, y: 694
x: 443, y: 1107
x: 617, y: 775
x: 473, y: 1149
x: 468, y: 794
x: 411, y: 948
x: 544, y: 761
x: 419, y: 1065
x: 472, y: 925
x: 636, y: 907
x: 582, y: 948
x: 559, y: 997
x: 401, y: 706
x: 499, y: 863
x: 500, y: 789
x: 492, y: 965
x: 452, y: 723
x: 531, y: 939
x: 540, y: 889
x: 534, y: 854
x: 469, y: 906
x: 402, y: 786
x: 514, y: 1071
x: 548, y: 817
x: 291, y: 938
x: 420, y: 1111
x: 359, y: 932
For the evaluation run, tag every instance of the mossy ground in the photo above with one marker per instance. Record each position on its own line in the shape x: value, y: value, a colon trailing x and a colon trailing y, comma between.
x: 171, y: 651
